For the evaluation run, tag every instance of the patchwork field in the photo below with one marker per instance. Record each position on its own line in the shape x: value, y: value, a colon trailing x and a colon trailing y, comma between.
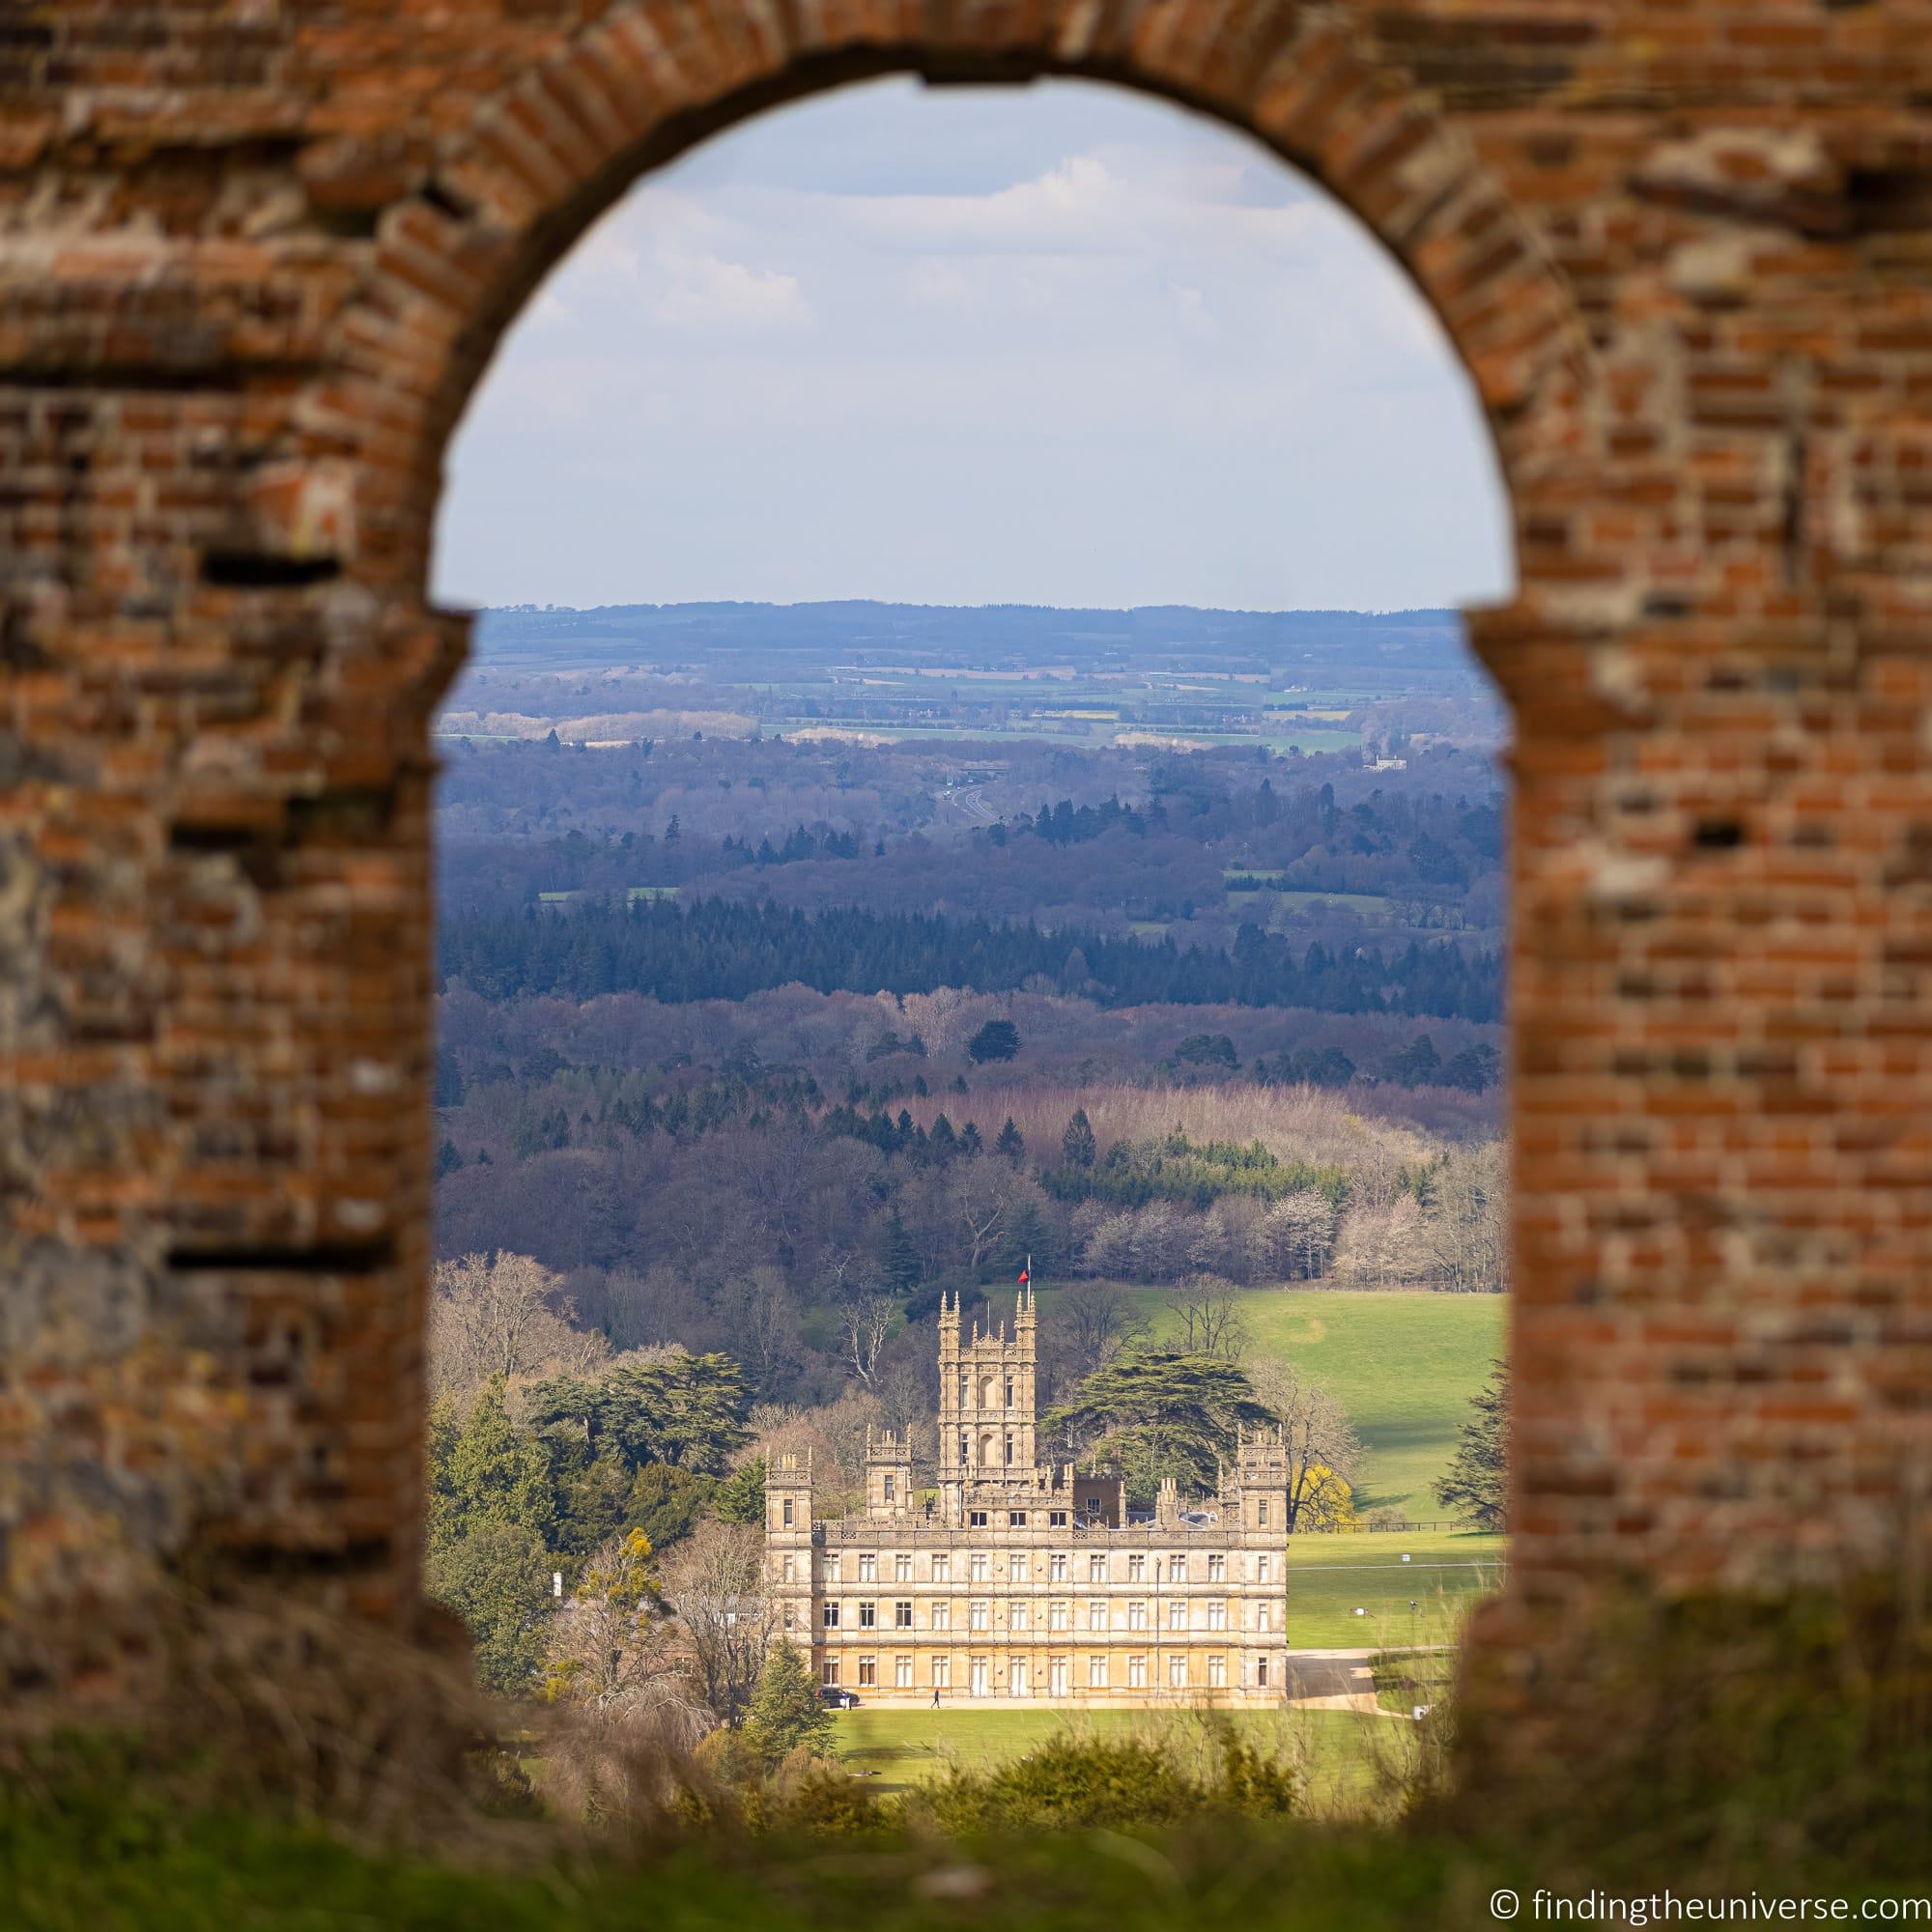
x: 1405, y: 1365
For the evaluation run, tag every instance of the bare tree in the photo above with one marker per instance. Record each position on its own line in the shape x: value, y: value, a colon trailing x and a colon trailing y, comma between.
x: 866, y: 1310
x: 1207, y: 1314
x: 903, y: 1383
x: 865, y: 1319
x: 1099, y: 1317
x: 503, y: 1316
x: 714, y: 1583
x: 986, y: 1195
x: 1384, y: 1243
x: 763, y: 1325
x: 1467, y: 1232
x: 1319, y: 1436
x: 1299, y: 1234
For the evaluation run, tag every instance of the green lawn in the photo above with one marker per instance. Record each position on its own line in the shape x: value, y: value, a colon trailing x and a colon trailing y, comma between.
x: 1404, y: 1365
x: 1337, y: 1749
x: 1330, y: 1578
x: 1371, y: 905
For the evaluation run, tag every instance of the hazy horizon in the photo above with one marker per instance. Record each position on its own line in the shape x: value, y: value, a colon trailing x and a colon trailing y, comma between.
x: 991, y: 604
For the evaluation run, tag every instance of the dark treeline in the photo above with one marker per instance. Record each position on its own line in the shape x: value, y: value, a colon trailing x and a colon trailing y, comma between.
x: 716, y: 949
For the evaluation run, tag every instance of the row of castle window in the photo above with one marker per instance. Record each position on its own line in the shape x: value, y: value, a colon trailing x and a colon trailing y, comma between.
x: 980, y: 1519
x: 1020, y: 1616
x: 1020, y: 1674
x: 986, y: 1388
x: 1019, y: 1568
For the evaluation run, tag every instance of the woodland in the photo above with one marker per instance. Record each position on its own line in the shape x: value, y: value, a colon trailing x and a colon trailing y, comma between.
x: 753, y: 1042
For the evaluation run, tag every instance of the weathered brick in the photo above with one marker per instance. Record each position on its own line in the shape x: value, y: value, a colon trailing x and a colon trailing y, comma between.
x: 251, y: 263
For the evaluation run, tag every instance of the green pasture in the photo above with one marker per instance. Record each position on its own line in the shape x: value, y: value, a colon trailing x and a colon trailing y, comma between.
x: 1315, y: 738
x: 630, y: 891
x: 1405, y: 1364
x: 1330, y: 1578
x: 1371, y: 905
x: 1337, y: 1750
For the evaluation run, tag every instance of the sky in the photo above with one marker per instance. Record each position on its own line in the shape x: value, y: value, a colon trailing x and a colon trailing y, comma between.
x: 1047, y: 345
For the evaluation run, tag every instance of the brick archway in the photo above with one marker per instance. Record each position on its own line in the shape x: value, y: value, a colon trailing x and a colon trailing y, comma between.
x: 542, y: 159
x: 254, y: 274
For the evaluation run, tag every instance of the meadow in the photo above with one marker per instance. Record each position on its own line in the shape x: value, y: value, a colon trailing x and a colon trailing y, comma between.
x: 1353, y: 1590
x: 1403, y: 1363
x: 1339, y: 1752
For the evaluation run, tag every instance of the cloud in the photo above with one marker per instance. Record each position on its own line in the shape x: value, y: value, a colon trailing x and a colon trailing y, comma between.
x: 708, y: 293
x: 1063, y: 344
x: 939, y: 285
x: 1191, y: 306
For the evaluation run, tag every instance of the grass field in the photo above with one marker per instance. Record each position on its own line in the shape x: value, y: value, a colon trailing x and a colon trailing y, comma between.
x: 1337, y: 1750
x: 1371, y: 905
x: 1330, y: 1578
x: 630, y: 891
x: 1404, y: 1365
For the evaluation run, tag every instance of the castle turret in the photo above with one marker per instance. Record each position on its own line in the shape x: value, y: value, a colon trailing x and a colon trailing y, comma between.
x: 1260, y: 1483
x: 887, y: 1474
x: 788, y: 1539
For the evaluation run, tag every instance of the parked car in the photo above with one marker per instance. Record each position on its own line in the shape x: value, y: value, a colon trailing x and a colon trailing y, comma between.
x: 838, y: 1699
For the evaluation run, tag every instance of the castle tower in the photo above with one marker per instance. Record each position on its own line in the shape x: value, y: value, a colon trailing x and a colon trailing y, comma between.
x: 887, y: 1474
x: 1261, y: 1485
x: 788, y: 1542
x: 987, y: 1424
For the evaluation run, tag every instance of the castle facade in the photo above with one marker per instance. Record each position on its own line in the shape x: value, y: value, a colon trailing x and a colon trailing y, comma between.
x: 1018, y: 1583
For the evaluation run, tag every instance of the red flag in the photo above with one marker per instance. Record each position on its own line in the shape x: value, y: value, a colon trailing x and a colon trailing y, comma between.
x: 1026, y: 1275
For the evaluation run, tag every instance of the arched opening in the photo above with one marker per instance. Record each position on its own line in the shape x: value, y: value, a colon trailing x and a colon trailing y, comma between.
x: 1206, y: 1221
x: 254, y: 278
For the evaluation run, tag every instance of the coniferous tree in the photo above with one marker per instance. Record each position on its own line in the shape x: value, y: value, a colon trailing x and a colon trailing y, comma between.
x: 717, y: 949
x: 1476, y: 1488
x: 898, y: 1258
x: 1158, y: 1413
x: 1012, y: 1142
x: 497, y: 1578
x: 497, y: 1472
x: 1418, y: 1064
x: 1077, y: 1145
x: 787, y: 1710
x: 741, y: 1497
x: 997, y: 1039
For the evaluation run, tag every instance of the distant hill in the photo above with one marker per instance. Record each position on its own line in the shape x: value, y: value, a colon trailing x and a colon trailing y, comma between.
x: 739, y: 641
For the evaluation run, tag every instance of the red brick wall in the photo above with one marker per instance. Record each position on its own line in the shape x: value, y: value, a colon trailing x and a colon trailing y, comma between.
x: 253, y: 255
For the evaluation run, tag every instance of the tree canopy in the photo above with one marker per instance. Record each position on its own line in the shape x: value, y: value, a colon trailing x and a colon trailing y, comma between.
x: 1159, y: 1412
x: 665, y: 1406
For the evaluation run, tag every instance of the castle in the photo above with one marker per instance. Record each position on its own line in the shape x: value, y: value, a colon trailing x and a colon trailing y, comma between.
x: 1022, y: 1582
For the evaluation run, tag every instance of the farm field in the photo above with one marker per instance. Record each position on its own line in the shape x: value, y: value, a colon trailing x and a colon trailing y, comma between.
x: 1403, y: 1364
x: 1332, y: 1576
x: 1072, y: 727
x: 1371, y: 905
x: 630, y: 891
x: 1337, y: 1749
